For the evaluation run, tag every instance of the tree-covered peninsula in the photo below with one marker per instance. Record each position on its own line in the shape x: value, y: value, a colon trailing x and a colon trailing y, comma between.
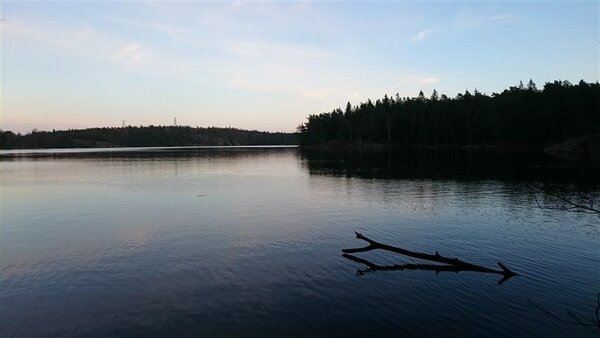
x: 520, y: 116
x: 150, y: 136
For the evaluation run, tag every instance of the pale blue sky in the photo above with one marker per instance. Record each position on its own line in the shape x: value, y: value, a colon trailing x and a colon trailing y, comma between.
x: 268, y: 65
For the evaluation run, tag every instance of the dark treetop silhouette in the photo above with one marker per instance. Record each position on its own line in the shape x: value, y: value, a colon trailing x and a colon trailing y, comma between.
x: 451, y: 264
x: 521, y: 116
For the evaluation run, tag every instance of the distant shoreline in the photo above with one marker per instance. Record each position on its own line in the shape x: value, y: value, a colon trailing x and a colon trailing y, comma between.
x: 144, y: 136
x: 582, y: 145
x: 53, y: 151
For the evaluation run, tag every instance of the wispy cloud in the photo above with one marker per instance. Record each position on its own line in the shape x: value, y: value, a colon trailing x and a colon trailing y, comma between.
x: 500, y: 18
x: 427, y: 80
x: 87, y: 42
x: 302, y: 5
x: 422, y: 35
x: 417, y: 81
x: 468, y: 19
x: 49, y: 33
x: 177, y: 33
x: 133, y: 55
x: 236, y: 5
x: 264, y: 48
x: 83, y: 40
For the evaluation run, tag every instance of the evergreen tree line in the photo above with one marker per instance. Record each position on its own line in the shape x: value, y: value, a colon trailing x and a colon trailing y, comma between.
x: 143, y: 137
x: 520, y: 115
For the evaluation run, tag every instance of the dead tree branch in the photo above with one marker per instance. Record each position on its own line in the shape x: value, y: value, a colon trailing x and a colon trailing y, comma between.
x: 451, y: 264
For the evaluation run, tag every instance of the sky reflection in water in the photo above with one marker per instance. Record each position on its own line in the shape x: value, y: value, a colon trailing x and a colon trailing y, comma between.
x: 247, y: 242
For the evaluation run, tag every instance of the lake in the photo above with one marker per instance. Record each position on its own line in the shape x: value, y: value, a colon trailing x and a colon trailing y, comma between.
x: 246, y: 242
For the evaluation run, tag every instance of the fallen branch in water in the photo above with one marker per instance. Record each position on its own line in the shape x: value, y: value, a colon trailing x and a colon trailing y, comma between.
x: 451, y: 264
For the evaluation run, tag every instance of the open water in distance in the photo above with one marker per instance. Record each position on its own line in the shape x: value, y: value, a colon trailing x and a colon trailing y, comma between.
x: 246, y: 242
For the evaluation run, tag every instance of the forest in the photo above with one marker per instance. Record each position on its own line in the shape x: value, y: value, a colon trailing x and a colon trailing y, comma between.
x: 520, y: 116
x: 143, y: 137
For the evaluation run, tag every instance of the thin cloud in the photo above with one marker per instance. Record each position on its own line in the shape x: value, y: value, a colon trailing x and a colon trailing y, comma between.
x: 427, y: 80
x: 252, y: 48
x: 503, y: 18
x: 473, y: 20
x: 51, y: 34
x: 179, y: 34
x: 133, y: 55
x: 83, y: 40
x: 417, y: 81
x: 302, y: 5
x: 422, y: 35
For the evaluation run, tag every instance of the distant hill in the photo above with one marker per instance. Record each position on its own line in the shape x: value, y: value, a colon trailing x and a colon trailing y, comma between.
x: 151, y: 136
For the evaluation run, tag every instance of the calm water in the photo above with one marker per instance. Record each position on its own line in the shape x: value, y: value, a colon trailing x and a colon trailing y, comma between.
x: 246, y: 242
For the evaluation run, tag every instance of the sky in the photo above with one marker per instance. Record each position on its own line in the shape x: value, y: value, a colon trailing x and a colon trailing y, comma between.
x: 268, y: 65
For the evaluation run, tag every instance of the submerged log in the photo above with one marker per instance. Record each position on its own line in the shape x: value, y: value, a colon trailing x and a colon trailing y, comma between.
x: 451, y: 264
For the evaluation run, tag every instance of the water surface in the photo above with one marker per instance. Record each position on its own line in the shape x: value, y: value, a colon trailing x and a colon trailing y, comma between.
x: 246, y: 242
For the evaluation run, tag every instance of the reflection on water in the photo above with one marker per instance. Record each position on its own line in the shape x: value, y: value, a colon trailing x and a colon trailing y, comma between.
x: 246, y: 242
x: 455, y: 165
